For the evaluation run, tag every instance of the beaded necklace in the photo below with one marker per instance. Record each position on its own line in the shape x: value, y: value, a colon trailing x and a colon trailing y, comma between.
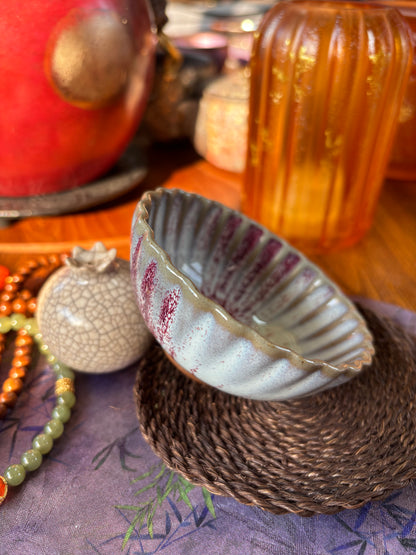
x: 53, y: 429
x: 17, y: 306
x: 18, y: 296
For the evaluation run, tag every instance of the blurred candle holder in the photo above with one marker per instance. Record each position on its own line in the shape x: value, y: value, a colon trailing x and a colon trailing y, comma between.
x: 211, y: 44
x: 327, y: 82
x: 239, y: 27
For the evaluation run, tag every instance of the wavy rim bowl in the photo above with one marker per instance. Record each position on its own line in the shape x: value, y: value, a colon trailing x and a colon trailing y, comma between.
x: 292, y: 374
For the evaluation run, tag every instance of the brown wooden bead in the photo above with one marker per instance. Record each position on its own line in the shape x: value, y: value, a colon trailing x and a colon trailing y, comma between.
x: 32, y: 264
x: 15, y: 278
x: 8, y: 398
x: 31, y: 305
x: 22, y: 351
x: 54, y: 259
x: 43, y: 261
x: 12, y: 384
x: 21, y: 361
x: 5, y: 309
x: 19, y: 306
x: 23, y: 340
x: 3, y: 410
x: 25, y: 270
x: 25, y: 294
x: 17, y: 372
x: 11, y: 287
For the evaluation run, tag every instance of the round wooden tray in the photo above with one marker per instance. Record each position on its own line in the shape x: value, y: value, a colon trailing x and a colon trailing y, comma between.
x: 322, y: 454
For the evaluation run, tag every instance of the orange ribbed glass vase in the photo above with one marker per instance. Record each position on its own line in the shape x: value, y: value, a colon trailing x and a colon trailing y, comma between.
x: 402, y: 163
x: 327, y: 82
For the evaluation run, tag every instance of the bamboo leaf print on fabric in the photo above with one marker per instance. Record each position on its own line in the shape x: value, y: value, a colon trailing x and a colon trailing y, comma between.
x: 120, y: 443
x: 165, y: 490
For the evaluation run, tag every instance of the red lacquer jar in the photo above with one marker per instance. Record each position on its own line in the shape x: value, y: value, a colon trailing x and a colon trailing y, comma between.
x: 75, y: 76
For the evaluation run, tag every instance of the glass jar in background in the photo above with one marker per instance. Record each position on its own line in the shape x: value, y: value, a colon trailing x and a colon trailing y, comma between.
x: 402, y: 163
x: 327, y: 82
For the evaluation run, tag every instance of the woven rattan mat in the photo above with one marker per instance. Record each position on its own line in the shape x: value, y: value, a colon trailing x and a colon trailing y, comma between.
x: 332, y: 451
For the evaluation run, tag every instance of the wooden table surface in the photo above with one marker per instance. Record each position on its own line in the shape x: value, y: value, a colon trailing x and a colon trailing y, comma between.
x: 382, y: 266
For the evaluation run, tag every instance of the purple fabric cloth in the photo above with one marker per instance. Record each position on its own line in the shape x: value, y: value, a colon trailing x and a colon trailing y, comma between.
x: 84, y: 497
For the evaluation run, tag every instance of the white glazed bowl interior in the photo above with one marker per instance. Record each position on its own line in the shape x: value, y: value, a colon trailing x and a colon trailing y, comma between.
x: 236, y: 306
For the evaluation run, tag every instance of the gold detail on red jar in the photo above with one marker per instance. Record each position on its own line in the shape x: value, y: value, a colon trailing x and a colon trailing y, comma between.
x: 89, y: 58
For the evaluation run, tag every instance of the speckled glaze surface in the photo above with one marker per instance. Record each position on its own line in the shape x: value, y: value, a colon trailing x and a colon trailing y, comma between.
x: 88, y: 315
x: 236, y: 306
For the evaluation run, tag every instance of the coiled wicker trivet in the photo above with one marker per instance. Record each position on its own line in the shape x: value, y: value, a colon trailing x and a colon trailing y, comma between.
x: 332, y: 451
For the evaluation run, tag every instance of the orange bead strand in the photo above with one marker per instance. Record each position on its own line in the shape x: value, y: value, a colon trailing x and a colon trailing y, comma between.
x: 18, y: 296
x: 17, y: 372
x: 8, y: 398
x: 12, y: 384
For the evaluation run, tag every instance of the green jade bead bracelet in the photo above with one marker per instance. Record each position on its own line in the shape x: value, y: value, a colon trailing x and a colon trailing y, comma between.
x: 31, y: 460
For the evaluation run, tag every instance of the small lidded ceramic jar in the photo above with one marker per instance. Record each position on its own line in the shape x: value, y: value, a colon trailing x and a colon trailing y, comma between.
x: 87, y: 313
x: 220, y: 134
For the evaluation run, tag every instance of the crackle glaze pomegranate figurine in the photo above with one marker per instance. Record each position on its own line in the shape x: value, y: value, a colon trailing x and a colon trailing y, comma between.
x: 75, y: 78
x: 87, y: 313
